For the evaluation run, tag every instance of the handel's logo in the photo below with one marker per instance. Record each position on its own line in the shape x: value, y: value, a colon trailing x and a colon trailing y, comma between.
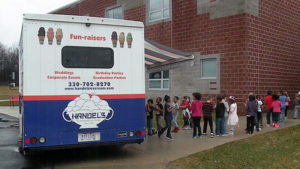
x: 87, y: 111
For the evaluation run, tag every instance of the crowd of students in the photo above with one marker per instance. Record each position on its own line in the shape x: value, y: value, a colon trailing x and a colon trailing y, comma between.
x: 225, y: 110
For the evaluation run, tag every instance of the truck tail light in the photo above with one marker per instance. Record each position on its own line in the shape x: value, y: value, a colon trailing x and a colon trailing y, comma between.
x: 140, y: 133
x: 33, y: 140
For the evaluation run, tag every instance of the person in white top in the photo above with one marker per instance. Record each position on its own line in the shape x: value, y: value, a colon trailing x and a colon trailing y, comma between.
x: 175, y: 113
x: 259, y: 113
x: 233, y: 118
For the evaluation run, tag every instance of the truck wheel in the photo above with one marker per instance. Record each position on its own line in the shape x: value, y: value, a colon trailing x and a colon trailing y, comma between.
x: 24, y: 152
x: 21, y: 150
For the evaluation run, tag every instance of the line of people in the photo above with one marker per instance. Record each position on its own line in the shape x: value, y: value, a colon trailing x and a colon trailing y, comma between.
x: 225, y: 113
x: 192, y: 112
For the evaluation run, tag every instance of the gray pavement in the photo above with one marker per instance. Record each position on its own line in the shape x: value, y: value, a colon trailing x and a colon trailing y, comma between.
x: 154, y: 153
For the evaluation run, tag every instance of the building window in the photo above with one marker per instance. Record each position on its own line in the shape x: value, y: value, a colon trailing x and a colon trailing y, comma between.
x: 159, y: 80
x: 159, y: 9
x: 115, y: 13
x: 209, y: 68
x: 87, y: 57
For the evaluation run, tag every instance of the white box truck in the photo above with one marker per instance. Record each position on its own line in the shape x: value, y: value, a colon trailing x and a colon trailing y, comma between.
x: 81, y: 82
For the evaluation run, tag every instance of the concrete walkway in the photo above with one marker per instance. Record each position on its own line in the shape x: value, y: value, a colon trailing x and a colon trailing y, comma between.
x: 154, y: 153
x: 10, y: 110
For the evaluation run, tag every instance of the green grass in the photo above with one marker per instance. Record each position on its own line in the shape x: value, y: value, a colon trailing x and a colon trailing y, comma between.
x: 6, y: 93
x: 278, y: 149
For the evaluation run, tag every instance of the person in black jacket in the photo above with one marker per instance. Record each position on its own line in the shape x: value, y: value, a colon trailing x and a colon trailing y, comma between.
x: 220, y: 112
x: 149, y: 114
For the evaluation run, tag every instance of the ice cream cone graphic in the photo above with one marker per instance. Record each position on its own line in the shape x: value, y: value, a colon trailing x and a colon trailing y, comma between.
x: 122, y: 39
x: 114, y: 38
x: 41, y: 35
x: 50, y: 36
x: 59, y: 36
x: 129, y: 40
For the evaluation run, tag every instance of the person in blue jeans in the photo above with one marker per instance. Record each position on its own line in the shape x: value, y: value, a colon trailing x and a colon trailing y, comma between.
x: 168, y: 118
x: 297, y: 106
x: 224, y: 100
x: 149, y: 115
x: 220, y: 112
x: 282, y: 99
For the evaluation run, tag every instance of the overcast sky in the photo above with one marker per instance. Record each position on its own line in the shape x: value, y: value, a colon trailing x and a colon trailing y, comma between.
x: 11, y: 13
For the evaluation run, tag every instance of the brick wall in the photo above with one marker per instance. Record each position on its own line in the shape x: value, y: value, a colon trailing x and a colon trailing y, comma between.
x: 273, y: 46
x: 88, y: 7
x: 258, y: 45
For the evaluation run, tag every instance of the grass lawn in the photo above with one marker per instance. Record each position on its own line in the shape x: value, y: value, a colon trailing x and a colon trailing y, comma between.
x: 278, y: 149
x: 5, y: 94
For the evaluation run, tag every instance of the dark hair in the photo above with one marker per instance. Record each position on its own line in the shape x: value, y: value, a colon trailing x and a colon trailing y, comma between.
x: 258, y: 97
x: 166, y: 98
x: 275, y: 97
x: 219, y: 98
x: 269, y: 92
x: 185, y: 97
x: 251, y: 98
x: 177, y: 98
x: 224, y: 96
x: 150, y: 101
x: 197, y: 95
x: 159, y: 98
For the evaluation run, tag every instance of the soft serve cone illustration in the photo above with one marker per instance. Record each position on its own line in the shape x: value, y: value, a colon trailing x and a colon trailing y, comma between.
x: 50, y: 36
x: 129, y: 39
x: 41, y: 35
x: 59, y: 36
x: 114, y: 38
x: 122, y: 39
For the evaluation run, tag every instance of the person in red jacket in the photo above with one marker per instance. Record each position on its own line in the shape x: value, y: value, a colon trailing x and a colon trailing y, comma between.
x: 184, y: 106
x: 268, y: 102
x: 196, y: 113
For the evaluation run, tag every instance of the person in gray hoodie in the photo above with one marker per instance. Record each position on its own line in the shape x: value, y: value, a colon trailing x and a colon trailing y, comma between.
x: 251, y: 110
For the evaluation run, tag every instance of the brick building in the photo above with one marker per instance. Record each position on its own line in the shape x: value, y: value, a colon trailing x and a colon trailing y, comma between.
x: 238, y: 45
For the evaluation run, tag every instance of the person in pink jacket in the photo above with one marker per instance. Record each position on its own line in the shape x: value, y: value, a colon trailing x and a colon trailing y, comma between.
x: 196, y: 113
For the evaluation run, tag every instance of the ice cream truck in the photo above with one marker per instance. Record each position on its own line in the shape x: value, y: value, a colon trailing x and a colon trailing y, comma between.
x: 81, y: 82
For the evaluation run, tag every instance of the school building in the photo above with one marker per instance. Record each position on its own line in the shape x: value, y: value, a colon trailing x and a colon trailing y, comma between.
x: 211, y: 46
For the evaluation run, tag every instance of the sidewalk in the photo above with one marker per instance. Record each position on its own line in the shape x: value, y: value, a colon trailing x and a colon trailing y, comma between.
x: 10, y: 110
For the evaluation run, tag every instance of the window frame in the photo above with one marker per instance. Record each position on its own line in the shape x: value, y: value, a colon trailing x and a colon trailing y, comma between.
x: 112, y: 8
x: 162, y: 79
x: 201, y: 62
x: 159, y: 10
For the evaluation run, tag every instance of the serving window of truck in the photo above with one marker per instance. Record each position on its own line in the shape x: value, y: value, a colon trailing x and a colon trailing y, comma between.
x: 87, y: 57
x: 80, y: 84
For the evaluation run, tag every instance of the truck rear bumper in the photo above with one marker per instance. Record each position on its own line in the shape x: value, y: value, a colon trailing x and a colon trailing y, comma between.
x: 82, y: 145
